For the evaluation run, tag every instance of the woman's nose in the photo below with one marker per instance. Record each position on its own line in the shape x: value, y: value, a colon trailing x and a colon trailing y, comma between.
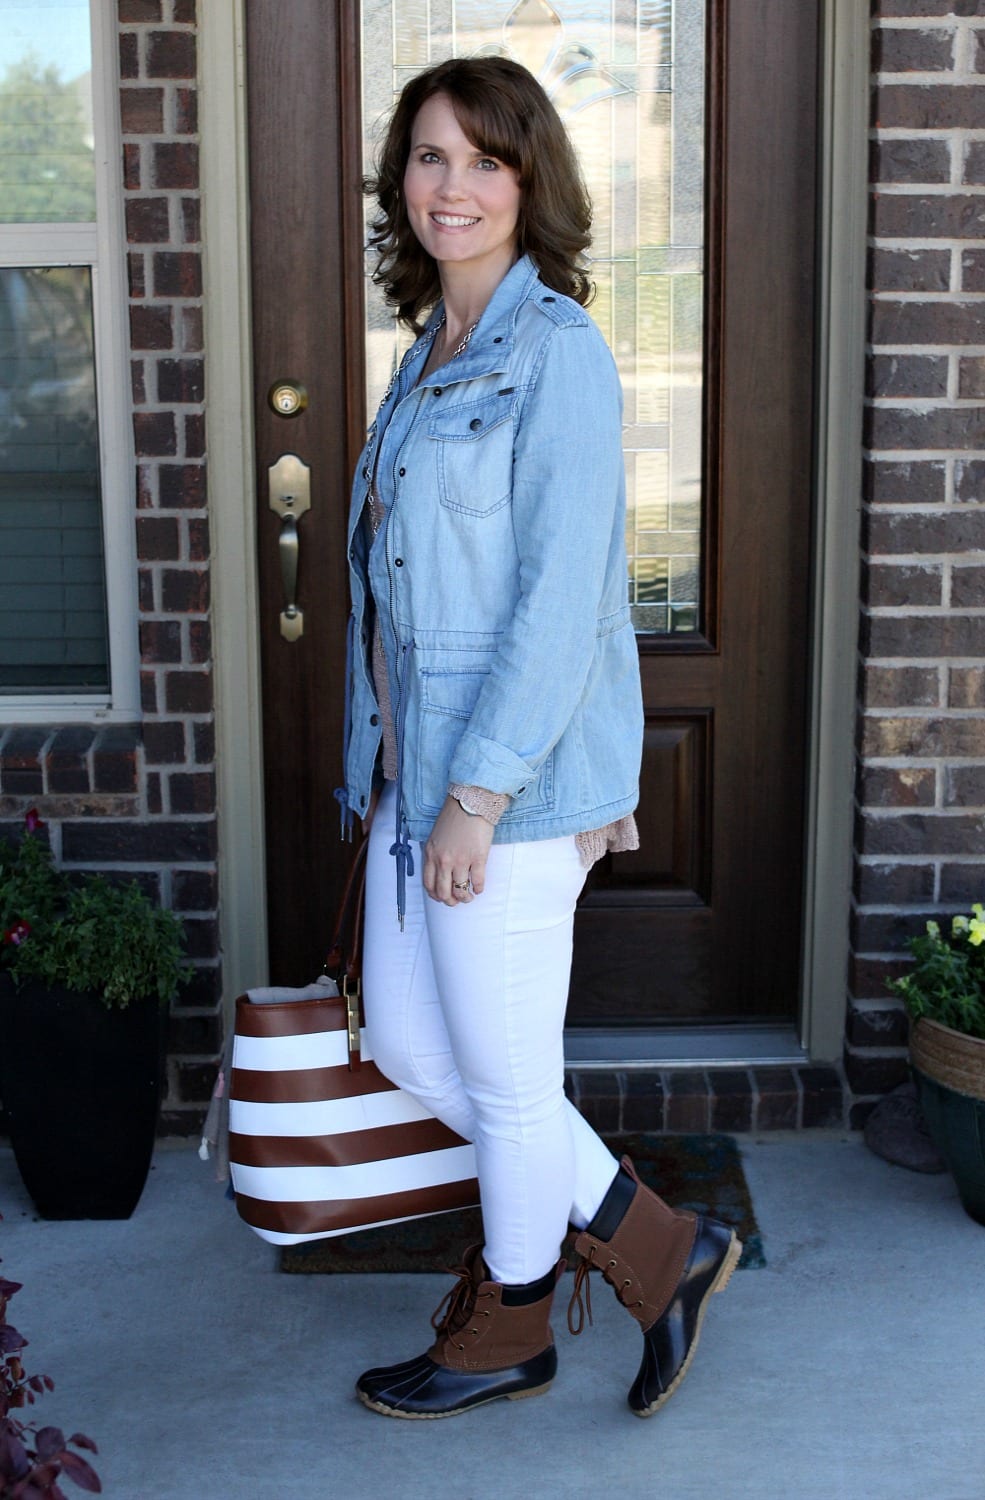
x: 453, y: 184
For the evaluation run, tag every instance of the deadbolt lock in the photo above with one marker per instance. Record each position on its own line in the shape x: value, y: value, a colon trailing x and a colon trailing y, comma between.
x: 288, y: 398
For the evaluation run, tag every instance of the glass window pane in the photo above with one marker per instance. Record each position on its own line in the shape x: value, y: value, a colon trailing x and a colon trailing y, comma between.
x: 47, y: 172
x: 52, y: 583
x: 627, y: 77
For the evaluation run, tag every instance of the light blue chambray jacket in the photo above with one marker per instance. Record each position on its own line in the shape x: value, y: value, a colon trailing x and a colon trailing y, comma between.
x: 500, y: 570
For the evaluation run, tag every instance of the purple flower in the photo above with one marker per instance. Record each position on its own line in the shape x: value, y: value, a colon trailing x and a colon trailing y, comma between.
x: 33, y: 820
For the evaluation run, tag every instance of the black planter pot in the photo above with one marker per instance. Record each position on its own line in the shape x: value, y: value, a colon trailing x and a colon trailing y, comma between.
x: 81, y: 1086
x: 949, y: 1069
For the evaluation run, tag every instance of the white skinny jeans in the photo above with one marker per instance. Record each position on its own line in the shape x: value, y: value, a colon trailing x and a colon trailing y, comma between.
x: 465, y: 1010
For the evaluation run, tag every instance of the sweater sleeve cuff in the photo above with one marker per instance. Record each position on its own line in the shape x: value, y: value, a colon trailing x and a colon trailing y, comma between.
x: 475, y: 799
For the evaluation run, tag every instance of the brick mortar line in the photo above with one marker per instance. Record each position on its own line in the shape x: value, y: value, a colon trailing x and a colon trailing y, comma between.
x: 919, y: 133
x: 915, y: 242
x: 950, y: 22
x: 915, y: 404
x: 909, y: 455
x: 929, y: 299
x: 894, y: 814
x: 948, y: 78
x: 880, y: 188
x: 924, y: 350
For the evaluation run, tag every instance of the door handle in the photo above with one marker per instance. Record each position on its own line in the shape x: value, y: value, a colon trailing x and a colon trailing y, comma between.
x: 289, y: 488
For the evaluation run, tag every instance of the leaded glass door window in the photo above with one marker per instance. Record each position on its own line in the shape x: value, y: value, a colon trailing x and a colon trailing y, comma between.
x: 628, y: 80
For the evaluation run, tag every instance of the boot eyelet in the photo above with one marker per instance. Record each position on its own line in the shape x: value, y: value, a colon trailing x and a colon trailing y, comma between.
x: 460, y: 1346
x: 627, y: 1282
x: 610, y: 1264
x: 638, y: 1303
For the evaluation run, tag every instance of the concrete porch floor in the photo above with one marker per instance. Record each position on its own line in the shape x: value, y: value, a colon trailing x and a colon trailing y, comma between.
x: 851, y: 1368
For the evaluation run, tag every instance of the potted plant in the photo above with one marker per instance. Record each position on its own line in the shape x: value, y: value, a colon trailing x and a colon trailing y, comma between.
x: 944, y: 993
x: 87, y: 972
x: 33, y: 1459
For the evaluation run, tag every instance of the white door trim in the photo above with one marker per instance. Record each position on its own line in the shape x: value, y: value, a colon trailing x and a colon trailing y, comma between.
x: 232, y: 498
x: 840, y: 385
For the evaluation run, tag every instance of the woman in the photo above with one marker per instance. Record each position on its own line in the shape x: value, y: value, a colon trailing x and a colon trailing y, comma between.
x: 495, y: 684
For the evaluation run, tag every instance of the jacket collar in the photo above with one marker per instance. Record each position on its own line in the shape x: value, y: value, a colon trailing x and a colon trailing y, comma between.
x: 491, y: 345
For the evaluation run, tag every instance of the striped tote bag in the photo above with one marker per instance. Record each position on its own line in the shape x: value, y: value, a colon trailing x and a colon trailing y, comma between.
x: 320, y: 1143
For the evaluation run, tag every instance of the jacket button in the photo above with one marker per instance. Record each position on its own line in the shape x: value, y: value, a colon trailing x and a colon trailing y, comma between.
x: 437, y: 390
x: 374, y: 719
x: 401, y: 472
x: 398, y: 562
x: 497, y: 341
x: 475, y: 423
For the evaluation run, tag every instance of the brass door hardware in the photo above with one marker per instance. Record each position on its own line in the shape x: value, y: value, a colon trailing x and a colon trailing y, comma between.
x: 288, y: 398
x: 289, y: 483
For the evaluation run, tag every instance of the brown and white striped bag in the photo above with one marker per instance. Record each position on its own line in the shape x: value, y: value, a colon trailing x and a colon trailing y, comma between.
x: 320, y: 1142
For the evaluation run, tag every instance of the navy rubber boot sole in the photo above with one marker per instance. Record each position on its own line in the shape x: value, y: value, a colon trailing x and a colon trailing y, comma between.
x: 670, y: 1343
x: 422, y: 1390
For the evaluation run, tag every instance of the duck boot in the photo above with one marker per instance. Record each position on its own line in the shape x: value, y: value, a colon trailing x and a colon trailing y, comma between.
x: 664, y: 1264
x: 493, y: 1341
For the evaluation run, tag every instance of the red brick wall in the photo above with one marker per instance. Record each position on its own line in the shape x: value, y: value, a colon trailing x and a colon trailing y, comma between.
x: 920, y: 841
x: 141, y: 799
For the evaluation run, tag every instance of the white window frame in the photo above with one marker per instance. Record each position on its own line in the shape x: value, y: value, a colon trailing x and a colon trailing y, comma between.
x: 101, y: 248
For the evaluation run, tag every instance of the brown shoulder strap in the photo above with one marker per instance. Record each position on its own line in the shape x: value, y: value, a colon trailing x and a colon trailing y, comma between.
x: 344, y: 955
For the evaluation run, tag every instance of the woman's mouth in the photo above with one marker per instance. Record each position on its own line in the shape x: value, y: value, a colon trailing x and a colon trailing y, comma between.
x: 453, y: 221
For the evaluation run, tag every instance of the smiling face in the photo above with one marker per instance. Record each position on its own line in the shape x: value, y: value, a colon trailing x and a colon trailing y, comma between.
x: 463, y: 205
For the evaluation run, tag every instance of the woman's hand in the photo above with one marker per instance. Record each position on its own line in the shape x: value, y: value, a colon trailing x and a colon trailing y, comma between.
x: 455, y: 855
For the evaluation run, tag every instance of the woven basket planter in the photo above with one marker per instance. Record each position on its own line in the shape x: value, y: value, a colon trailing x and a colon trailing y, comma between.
x: 949, y: 1068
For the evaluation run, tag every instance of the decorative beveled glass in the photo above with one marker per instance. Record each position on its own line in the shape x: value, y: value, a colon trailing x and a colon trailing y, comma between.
x: 628, y: 80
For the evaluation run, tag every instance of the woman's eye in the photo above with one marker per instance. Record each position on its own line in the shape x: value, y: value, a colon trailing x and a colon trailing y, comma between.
x: 488, y: 164
x: 429, y: 156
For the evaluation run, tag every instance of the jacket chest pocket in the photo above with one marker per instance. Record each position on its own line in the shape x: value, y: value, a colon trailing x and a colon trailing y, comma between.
x: 473, y: 445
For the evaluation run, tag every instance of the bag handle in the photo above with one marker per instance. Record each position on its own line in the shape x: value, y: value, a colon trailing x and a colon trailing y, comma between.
x: 344, y: 960
x: 345, y: 953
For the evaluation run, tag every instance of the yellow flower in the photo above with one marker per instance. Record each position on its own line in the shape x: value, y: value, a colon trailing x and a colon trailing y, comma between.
x: 933, y: 930
x: 976, y: 931
x: 959, y: 924
x: 979, y: 910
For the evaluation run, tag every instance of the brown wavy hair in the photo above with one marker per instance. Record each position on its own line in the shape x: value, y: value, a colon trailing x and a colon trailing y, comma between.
x: 503, y: 110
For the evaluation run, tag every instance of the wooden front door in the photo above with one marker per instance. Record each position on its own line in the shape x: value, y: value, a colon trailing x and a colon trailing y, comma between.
x: 696, y: 124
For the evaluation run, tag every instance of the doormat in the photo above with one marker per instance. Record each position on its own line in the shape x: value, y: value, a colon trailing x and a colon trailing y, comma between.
x: 703, y: 1172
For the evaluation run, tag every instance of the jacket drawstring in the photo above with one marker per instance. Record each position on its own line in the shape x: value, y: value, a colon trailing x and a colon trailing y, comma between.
x: 341, y: 795
x: 402, y: 849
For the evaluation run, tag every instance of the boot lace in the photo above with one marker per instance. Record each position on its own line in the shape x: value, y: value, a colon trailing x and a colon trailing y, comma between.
x: 453, y: 1310
x: 583, y: 1282
x: 458, y: 1305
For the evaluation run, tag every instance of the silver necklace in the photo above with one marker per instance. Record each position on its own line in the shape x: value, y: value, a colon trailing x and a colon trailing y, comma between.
x: 465, y: 341
x: 433, y: 335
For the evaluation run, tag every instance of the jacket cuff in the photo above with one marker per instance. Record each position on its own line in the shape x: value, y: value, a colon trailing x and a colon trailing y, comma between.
x: 487, y: 763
